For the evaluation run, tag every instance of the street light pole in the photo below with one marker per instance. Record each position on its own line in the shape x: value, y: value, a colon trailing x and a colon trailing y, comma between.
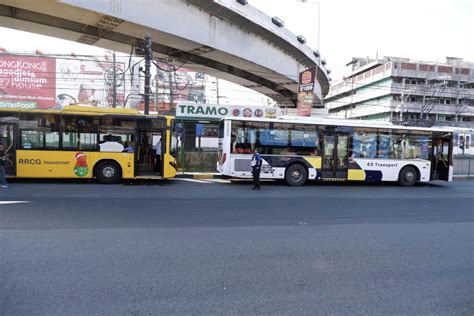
x: 217, y: 90
x: 319, y: 17
x: 114, y: 91
x: 148, y: 58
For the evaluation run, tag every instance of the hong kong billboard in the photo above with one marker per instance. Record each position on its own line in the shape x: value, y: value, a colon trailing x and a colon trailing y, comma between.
x: 36, y: 82
x: 27, y: 82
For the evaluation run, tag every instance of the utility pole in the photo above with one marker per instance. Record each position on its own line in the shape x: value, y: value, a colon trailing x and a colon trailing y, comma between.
x: 319, y: 17
x: 402, y: 101
x: 114, y: 91
x: 148, y: 58
x: 170, y: 85
x: 217, y: 90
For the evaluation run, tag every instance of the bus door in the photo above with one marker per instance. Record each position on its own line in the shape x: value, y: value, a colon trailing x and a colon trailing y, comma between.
x: 149, y: 154
x: 8, y: 137
x: 176, y: 146
x: 440, y: 161
x: 335, y: 156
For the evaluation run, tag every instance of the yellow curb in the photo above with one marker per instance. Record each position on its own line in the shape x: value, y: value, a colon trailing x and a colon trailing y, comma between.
x: 203, y: 176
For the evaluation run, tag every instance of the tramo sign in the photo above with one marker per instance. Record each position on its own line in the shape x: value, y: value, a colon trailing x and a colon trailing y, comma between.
x: 217, y: 111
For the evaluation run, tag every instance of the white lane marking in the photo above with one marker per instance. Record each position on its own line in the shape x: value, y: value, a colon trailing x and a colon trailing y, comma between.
x: 203, y: 180
x: 14, y: 202
x: 219, y: 180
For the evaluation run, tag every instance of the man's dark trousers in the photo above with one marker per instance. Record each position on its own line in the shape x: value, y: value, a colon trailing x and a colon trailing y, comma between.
x: 256, y: 178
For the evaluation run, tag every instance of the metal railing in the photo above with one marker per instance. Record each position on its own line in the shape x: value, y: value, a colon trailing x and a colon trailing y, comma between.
x: 463, y: 166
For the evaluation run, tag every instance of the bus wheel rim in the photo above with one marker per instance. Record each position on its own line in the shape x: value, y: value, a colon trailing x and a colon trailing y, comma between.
x: 296, y: 175
x: 409, y: 176
x: 108, y: 172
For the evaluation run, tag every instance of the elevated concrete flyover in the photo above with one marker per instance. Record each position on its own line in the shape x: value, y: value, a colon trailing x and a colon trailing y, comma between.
x: 219, y: 37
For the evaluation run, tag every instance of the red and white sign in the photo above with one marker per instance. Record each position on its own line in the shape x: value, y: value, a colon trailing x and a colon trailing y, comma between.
x: 306, y: 92
x: 27, y: 82
x: 88, y: 82
x: 33, y: 82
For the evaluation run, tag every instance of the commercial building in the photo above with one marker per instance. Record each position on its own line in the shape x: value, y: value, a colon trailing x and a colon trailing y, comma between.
x: 405, y: 91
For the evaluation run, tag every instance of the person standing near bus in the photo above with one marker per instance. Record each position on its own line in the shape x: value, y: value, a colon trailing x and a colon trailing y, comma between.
x: 158, y: 156
x: 256, y: 164
x: 3, y: 160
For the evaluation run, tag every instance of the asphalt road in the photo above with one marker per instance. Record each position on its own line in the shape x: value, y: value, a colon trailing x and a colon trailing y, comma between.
x: 183, y: 247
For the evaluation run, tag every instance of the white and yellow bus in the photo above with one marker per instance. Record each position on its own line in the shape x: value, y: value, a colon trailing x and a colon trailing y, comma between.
x: 86, y: 142
x: 301, y: 149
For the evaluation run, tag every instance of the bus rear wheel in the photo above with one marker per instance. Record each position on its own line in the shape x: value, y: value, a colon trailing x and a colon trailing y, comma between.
x: 108, y: 172
x: 407, y: 176
x: 296, y: 175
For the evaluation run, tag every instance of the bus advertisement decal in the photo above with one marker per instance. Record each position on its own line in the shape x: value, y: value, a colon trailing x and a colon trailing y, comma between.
x: 81, y: 169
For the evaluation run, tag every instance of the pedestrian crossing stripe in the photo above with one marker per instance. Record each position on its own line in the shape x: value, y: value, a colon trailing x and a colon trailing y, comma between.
x: 202, y: 180
x: 13, y: 202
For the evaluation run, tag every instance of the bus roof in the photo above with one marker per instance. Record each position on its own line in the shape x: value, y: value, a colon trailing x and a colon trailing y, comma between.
x: 77, y: 109
x: 82, y: 110
x: 339, y: 122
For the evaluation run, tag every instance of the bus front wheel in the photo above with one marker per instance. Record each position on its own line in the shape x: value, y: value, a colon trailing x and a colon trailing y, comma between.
x: 296, y: 174
x: 407, y: 176
x: 108, y: 172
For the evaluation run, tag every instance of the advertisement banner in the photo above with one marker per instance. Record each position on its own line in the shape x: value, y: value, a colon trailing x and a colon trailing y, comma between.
x: 36, y: 82
x: 179, y: 85
x: 27, y: 82
x: 88, y: 82
x: 218, y: 111
x: 306, y: 92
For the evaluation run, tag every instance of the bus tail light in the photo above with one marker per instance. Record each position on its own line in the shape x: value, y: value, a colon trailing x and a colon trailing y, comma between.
x: 224, y: 157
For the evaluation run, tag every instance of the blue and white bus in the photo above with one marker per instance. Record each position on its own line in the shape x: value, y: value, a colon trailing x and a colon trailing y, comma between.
x: 300, y: 149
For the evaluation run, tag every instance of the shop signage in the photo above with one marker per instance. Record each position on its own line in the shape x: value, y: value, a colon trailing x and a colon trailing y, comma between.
x: 306, y: 91
x: 27, y: 82
x: 36, y: 82
x: 200, y: 110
